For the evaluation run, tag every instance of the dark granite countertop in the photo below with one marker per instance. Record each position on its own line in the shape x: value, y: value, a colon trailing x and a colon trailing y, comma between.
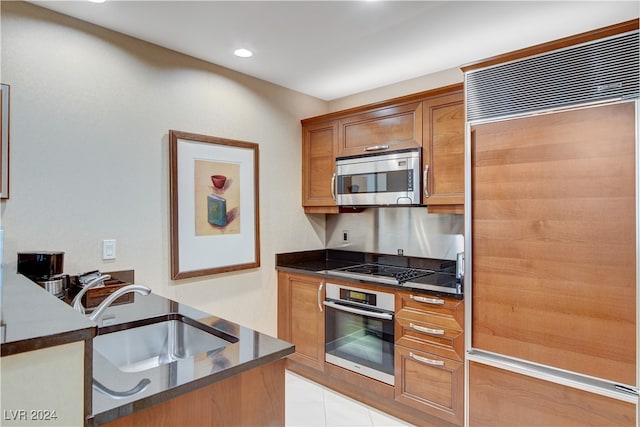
x: 321, y: 260
x: 34, y: 319
x: 317, y: 262
x: 168, y: 381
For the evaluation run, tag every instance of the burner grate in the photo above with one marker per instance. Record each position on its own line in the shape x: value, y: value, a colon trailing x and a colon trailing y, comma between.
x: 431, y: 280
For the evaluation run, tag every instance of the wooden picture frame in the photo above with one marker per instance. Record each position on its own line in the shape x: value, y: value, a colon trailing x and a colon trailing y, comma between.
x: 4, y: 141
x: 214, y: 208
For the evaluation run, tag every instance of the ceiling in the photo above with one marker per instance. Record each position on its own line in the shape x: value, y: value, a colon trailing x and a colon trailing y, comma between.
x: 332, y: 49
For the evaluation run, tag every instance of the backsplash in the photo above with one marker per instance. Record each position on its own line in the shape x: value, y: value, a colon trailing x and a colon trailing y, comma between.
x: 385, y: 230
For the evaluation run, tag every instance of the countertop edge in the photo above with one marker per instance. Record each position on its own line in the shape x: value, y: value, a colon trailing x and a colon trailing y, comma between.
x: 147, y: 402
x: 38, y: 343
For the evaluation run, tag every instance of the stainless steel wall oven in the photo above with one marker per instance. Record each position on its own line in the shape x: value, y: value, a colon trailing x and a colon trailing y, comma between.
x: 359, y: 332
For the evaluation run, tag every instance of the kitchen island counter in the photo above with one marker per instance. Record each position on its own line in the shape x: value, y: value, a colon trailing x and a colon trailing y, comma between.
x: 180, y: 377
x: 34, y: 321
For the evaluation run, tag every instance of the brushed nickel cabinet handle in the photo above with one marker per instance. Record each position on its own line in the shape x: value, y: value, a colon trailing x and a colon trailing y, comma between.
x: 425, y: 176
x: 333, y: 186
x: 427, y: 300
x: 319, y: 296
x: 366, y: 313
x: 425, y: 360
x: 376, y: 147
x: 426, y: 330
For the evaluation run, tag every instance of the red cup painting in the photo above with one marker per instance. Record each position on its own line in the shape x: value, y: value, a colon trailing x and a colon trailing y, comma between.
x: 218, y: 180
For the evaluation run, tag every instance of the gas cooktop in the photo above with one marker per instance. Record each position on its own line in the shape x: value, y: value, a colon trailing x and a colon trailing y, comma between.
x: 417, y: 278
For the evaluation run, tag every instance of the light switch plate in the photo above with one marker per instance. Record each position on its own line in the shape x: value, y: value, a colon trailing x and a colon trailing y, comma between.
x: 109, y: 249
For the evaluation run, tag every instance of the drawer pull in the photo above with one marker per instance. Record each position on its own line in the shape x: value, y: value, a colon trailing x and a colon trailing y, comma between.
x: 377, y: 147
x: 425, y: 360
x: 427, y: 300
x: 426, y: 330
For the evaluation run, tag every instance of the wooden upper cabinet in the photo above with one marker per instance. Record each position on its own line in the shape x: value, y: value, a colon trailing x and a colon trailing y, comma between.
x: 443, y: 153
x: 390, y: 128
x: 433, y: 120
x: 318, y: 166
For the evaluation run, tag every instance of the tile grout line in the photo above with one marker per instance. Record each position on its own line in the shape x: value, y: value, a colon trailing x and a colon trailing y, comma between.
x: 324, y: 406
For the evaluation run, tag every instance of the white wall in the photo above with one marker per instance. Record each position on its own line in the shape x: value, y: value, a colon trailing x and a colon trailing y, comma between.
x: 90, y: 113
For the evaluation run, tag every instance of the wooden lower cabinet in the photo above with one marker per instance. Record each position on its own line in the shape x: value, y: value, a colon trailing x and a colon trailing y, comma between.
x: 252, y: 398
x: 429, y: 368
x: 430, y: 383
x: 429, y: 354
x: 301, y: 317
x: 502, y: 398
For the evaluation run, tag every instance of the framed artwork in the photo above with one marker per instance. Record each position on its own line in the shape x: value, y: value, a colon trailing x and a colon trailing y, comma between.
x: 213, y: 194
x: 4, y: 147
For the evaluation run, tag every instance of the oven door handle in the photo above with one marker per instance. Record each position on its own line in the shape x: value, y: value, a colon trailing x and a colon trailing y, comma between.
x: 384, y: 316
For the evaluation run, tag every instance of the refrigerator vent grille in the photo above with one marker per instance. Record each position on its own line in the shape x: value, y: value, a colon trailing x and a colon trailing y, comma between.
x: 595, y: 71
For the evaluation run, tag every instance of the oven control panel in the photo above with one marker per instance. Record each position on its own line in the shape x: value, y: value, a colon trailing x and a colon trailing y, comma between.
x: 365, y: 297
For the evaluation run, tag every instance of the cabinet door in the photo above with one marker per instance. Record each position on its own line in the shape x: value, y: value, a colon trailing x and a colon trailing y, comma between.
x: 318, y: 167
x: 502, y: 398
x: 430, y: 383
x: 301, y: 317
x: 554, y: 240
x: 443, y: 153
x: 390, y: 128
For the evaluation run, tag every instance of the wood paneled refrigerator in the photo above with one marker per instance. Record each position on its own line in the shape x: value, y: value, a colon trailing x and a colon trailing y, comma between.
x: 551, y: 231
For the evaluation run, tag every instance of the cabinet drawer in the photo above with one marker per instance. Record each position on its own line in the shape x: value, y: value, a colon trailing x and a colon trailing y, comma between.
x: 450, y: 308
x: 422, y: 335
x: 430, y: 383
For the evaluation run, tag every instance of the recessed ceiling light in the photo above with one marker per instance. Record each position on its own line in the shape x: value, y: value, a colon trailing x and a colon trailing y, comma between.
x: 243, y: 53
x: 97, y: 1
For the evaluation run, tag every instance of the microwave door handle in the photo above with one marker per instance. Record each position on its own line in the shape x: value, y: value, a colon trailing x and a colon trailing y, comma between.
x: 333, y: 186
x: 383, y: 316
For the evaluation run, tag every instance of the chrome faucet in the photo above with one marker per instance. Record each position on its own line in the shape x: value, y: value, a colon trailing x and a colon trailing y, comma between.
x: 77, y: 301
x: 140, y: 289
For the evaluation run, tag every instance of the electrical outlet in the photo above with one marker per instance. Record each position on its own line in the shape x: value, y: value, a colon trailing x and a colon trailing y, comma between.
x: 345, y: 236
x: 109, y: 249
x: 400, y: 252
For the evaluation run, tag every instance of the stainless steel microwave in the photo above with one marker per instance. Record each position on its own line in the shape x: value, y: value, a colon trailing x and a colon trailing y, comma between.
x: 380, y: 179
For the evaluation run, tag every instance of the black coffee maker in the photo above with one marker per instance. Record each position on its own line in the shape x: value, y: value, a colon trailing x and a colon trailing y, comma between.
x: 45, y: 268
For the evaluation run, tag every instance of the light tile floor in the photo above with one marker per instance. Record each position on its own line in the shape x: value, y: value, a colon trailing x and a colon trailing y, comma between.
x: 311, y: 405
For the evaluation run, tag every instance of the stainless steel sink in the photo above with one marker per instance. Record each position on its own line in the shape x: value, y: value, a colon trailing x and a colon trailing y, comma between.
x: 146, y: 347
